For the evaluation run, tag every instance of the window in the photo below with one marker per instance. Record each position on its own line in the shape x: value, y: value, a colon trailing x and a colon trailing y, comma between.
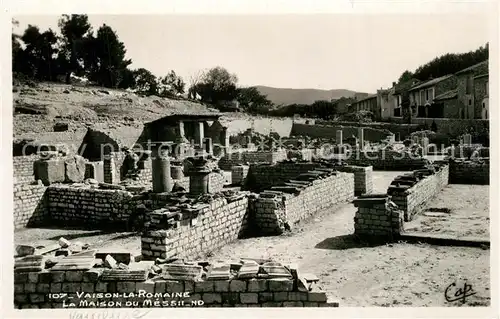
x: 487, y: 89
x: 484, y: 105
x: 427, y: 95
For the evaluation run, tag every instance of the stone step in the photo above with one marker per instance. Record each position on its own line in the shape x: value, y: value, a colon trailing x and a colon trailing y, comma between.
x: 124, y: 275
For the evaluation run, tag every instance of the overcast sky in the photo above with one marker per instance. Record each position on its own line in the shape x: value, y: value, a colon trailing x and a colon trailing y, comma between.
x: 357, y: 52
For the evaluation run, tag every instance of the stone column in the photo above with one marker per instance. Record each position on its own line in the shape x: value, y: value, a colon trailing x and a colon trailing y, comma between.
x: 162, y: 181
x: 109, y: 167
x: 361, y: 137
x: 199, y: 133
x: 182, y: 134
x: 208, y: 145
x: 198, y: 181
x: 225, y: 137
x: 467, y: 139
x: 338, y: 137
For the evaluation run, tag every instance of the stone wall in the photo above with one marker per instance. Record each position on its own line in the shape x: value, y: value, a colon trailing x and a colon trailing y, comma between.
x: 386, y: 160
x: 68, y: 205
x: 216, y: 181
x: 264, y: 176
x: 29, y: 205
x: 363, y: 178
x: 242, y: 156
x: 330, y: 131
x: 377, y: 217
x: 244, y: 283
x: 199, y: 231
x: 273, y: 214
x: 412, y: 191
x: 239, y: 174
x: 464, y: 171
x: 24, y: 168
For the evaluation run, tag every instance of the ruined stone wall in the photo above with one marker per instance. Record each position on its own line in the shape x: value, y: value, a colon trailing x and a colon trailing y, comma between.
x: 29, y: 205
x: 412, y: 198
x: 207, y: 229
x: 386, y: 160
x: 275, y: 215
x: 470, y: 172
x: 216, y: 181
x: 237, y: 157
x: 376, y: 216
x: 24, y: 168
x: 239, y: 174
x: 330, y: 131
x: 94, y: 288
x: 263, y: 176
x: 363, y: 178
x: 68, y: 205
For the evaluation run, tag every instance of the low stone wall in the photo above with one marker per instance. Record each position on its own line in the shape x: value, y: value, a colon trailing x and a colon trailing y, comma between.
x: 470, y: 171
x: 242, y: 284
x: 412, y: 191
x: 264, y: 176
x: 69, y: 205
x: 377, y: 216
x: 199, y: 231
x: 363, y: 178
x: 301, y: 155
x: 387, y: 160
x: 216, y: 181
x: 29, y: 205
x: 242, y: 156
x: 330, y: 131
x: 239, y: 174
x: 273, y: 214
x: 24, y: 168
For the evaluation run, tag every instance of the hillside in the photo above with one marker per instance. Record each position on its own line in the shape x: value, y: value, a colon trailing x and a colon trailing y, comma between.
x: 302, y: 96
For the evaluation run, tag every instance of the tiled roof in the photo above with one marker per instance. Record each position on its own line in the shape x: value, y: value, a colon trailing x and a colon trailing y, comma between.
x: 371, y: 96
x: 430, y: 82
x: 452, y: 94
x: 471, y: 68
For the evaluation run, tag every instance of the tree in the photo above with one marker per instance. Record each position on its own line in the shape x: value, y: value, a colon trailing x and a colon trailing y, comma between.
x: 252, y: 100
x: 216, y: 86
x: 406, y: 76
x: 145, y: 82
x: 171, y: 85
x: 38, y: 59
x: 74, y: 28
x: 105, y: 57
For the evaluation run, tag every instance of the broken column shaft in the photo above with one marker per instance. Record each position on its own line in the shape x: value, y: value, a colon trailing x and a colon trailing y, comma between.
x: 162, y: 181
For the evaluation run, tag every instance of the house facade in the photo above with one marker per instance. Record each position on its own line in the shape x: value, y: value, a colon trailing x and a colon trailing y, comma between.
x: 422, y: 97
x: 367, y: 104
x: 469, y: 99
x: 385, y: 102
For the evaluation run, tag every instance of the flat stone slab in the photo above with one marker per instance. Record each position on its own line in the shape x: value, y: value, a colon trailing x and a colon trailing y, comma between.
x: 248, y: 270
x: 123, y: 257
x: 182, y: 272
x: 219, y: 272
x: 275, y: 270
x: 124, y: 275
x: 30, y: 263
x: 75, y: 262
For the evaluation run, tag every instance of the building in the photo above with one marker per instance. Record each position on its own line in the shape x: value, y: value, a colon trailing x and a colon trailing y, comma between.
x: 470, y: 100
x: 423, y: 94
x: 368, y: 103
x: 385, y: 102
x: 401, y: 90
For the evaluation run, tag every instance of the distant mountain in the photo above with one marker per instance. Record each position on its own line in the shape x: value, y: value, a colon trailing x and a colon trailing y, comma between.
x: 304, y: 96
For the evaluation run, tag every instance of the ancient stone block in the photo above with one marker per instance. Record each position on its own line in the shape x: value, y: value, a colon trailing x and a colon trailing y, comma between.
x: 49, y: 171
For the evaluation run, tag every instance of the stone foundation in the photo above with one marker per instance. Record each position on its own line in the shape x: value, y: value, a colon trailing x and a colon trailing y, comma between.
x: 264, y: 176
x: 377, y: 216
x: 24, y: 169
x: 29, y: 205
x: 127, y: 288
x: 412, y: 191
x: 386, y: 160
x: 199, y: 231
x: 276, y: 213
x: 470, y: 171
x: 363, y: 178
x: 239, y: 174
x: 242, y: 156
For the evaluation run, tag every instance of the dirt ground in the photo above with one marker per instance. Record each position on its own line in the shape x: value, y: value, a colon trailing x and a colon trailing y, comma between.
x: 468, y: 215
x: 398, y: 274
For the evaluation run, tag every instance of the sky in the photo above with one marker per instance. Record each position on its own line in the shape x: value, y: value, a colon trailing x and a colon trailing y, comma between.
x: 331, y: 51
